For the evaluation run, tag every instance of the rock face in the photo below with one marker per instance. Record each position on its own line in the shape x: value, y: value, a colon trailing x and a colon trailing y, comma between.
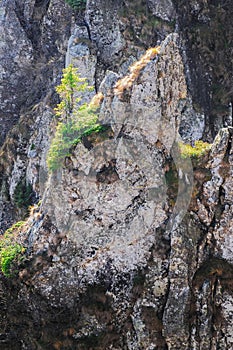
x: 32, y: 53
x: 207, y: 32
x: 34, y: 37
x: 132, y: 245
x: 110, y: 199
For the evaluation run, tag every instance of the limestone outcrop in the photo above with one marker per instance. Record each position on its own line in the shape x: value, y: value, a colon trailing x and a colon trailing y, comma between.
x: 131, y: 244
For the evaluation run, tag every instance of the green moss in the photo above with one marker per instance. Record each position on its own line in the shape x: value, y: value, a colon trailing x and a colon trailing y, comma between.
x: 11, y: 254
x: 200, y: 148
x: 8, y: 255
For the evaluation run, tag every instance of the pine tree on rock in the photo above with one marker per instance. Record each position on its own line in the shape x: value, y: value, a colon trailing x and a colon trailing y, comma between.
x: 71, y: 84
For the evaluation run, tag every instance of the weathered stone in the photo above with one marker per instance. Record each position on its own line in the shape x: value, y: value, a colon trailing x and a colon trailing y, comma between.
x: 116, y: 258
x: 28, y: 54
x: 163, y: 9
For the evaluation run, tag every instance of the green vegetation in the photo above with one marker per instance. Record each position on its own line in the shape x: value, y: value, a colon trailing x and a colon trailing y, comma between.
x: 39, y: 203
x: 11, y: 252
x: 69, y: 134
x: 74, y: 121
x: 14, y: 227
x: 23, y: 195
x: 200, y: 148
x: 77, y: 4
x: 71, y: 84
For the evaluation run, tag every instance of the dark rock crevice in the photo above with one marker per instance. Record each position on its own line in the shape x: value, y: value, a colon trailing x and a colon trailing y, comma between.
x: 33, y: 56
x: 32, y: 25
x: 207, y: 30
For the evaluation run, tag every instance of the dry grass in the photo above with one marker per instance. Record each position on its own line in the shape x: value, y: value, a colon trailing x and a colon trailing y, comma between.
x: 126, y: 82
x: 97, y: 100
x: 183, y: 94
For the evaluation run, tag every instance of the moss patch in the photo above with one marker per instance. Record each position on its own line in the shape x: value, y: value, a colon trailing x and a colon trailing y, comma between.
x: 200, y: 148
x: 11, y: 252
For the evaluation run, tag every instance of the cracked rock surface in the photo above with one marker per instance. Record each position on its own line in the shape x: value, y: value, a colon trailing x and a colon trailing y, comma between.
x: 131, y: 247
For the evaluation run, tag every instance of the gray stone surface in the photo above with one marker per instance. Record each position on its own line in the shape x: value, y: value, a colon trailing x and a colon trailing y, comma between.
x: 163, y: 9
x: 33, y: 37
x: 132, y: 245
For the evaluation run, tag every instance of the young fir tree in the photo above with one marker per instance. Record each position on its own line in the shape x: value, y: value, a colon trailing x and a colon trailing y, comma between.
x: 75, y: 121
x: 71, y: 84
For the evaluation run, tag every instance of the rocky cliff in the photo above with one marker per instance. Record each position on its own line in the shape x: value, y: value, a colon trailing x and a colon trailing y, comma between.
x: 130, y: 246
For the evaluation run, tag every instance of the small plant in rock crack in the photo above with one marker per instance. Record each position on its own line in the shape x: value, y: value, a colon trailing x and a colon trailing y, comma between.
x: 136, y: 68
x: 200, y: 148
